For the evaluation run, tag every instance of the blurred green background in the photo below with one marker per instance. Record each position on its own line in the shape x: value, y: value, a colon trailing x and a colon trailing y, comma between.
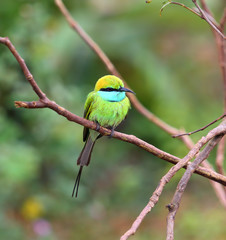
x: 170, y: 62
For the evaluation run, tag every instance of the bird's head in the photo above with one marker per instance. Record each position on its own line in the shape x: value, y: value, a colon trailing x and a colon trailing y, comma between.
x: 111, y: 88
x: 111, y: 83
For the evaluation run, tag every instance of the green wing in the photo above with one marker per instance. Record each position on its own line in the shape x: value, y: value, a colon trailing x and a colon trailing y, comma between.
x: 88, y: 107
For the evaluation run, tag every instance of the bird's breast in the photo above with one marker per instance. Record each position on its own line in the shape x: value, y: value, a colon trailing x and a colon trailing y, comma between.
x: 109, y: 113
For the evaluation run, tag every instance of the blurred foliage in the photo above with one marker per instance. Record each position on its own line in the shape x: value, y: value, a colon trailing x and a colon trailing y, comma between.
x: 170, y: 62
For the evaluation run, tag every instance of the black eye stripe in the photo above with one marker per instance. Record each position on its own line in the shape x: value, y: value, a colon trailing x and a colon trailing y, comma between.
x: 109, y: 89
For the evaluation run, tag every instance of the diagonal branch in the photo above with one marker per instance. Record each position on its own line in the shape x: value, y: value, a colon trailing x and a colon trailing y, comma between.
x: 180, y: 4
x: 201, y: 129
x: 174, y: 205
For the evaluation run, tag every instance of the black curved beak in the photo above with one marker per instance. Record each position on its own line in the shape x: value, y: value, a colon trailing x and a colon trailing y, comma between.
x: 123, y: 89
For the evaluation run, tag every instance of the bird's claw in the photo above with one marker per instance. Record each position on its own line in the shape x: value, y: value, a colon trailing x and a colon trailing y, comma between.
x: 98, y: 126
x: 112, y: 133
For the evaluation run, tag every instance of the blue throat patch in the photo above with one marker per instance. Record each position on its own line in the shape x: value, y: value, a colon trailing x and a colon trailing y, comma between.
x: 113, y: 96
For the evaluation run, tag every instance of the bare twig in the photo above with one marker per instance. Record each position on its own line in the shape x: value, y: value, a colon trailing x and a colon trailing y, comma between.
x: 174, y: 205
x: 221, y: 129
x: 44, y: 102
x: 201, y: 129
x: 179, y: 4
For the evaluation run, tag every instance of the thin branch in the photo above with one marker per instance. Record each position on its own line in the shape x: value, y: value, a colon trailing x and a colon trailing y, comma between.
x: 165, y: 179
x: 45, y: 102
x: 201, y: 129
x: 174, y: 205
x: 182, y: 5
x: 33, y: 104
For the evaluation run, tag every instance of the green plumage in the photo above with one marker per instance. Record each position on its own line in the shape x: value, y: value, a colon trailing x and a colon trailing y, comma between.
x: 108, y: 106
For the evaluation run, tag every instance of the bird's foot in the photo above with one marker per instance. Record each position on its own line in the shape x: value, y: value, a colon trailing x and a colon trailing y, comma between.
x: 98, y: 126
x: 112, y: 133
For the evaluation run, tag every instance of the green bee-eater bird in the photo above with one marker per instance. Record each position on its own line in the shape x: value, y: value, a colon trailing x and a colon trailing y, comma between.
x: 107, y: 105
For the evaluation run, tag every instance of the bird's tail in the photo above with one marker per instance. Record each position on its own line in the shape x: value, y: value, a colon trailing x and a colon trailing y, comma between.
x: 83, y: 160
x: 85, y: 155
x: 76, y: 185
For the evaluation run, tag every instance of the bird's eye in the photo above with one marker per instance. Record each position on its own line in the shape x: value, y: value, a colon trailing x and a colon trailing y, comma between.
x: 109, y: 89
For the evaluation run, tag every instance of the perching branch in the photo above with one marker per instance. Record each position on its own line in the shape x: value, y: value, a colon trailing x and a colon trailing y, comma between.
x: 44, y: 102
x: 174, y: 205
x: 220, y: 130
